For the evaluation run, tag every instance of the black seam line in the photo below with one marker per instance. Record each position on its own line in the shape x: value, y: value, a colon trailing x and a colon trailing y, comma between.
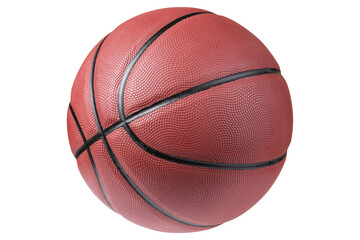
x: 97, y: 137
x: 77, y: 123
x: 202, y: 87
x: 137, y: 56
x: 199, y: 88
x: 114, y: 158
x: 176, y: 97
x: 90, y: 155
x: 87, y: 144
x: 183, y: 94
x: 92, y: 94
x: 196, y: 163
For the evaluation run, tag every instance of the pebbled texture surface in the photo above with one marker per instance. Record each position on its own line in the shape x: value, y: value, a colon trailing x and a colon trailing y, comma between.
x: 201, y: 195
x: 118, y: 50
x: 73, y: 133
x: 125, y: 200
x: 87, y: 172
x: 201, y: 46
x: 80, y: 97
x: 245, y: 121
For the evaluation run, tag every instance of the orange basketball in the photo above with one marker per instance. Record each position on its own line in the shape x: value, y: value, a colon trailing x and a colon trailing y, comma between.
x: 180, y: 120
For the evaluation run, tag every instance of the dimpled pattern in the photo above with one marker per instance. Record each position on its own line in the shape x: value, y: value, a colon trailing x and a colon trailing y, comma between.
x: 87, y: 172
x: 116, y: 53
x: 73, y: 133
x: 80, y: 97
x: 195, y: 194
x: 245, y: 121
x: 201, y: 46
x: 124, y: 199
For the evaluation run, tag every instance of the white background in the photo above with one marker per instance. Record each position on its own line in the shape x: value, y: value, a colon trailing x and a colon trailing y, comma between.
x: 43, y: 44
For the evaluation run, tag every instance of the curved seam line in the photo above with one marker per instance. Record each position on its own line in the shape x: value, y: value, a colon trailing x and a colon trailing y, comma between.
x: 90, y: 155
x: 87, y: 144
x: 185, y: 93
x: 114, y: 158
x: 138, y: 55
x: 174, y: 98
x: 200, y: 88
x: 197, y: 163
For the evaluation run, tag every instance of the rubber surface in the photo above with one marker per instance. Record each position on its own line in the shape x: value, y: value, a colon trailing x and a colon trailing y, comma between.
x: 227, y: 141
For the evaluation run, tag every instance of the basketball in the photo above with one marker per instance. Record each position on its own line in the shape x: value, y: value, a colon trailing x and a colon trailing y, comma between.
x: 180, y: 120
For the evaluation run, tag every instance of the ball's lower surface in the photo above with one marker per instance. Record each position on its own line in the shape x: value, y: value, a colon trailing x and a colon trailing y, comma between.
x: 180, y: 120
